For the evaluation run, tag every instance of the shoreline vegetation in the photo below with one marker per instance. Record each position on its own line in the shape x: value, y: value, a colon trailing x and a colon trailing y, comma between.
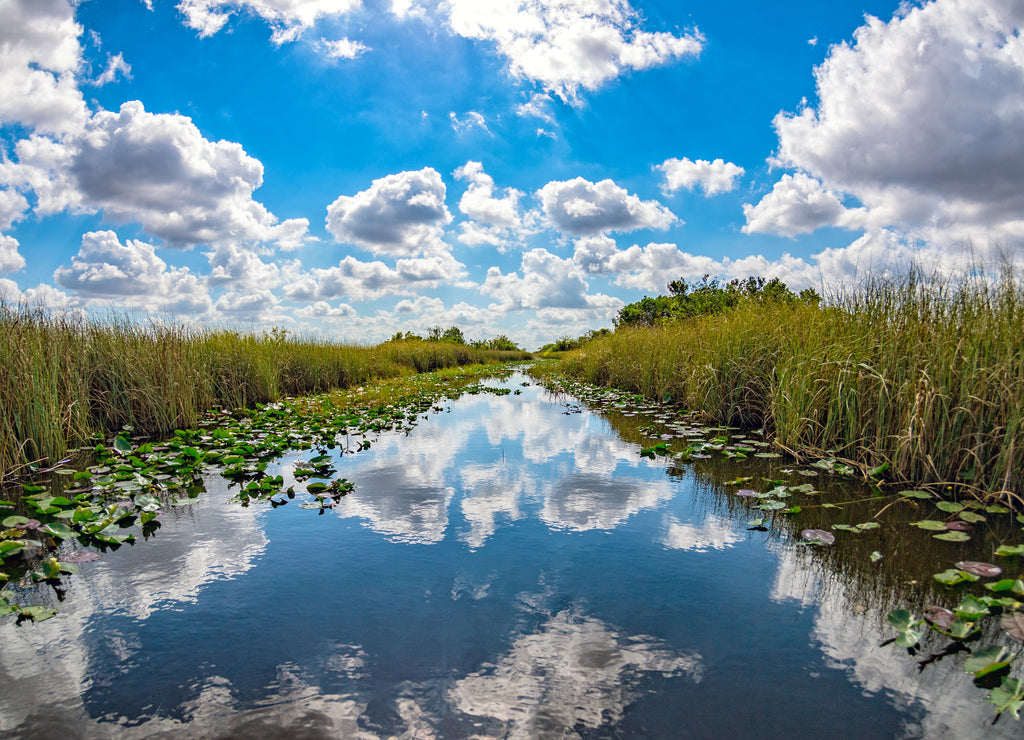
x: 67, y: 382
x: 918, y: 380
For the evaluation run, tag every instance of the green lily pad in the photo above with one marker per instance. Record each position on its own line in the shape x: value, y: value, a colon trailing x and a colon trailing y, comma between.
x: 1008, y: 697
x: 915, y: 494
x: 988, y: 660
x: 953, y: 536
x: 931, y: 524
x: 953, y: 576
x: 949, y: 506
x: 971, y: 609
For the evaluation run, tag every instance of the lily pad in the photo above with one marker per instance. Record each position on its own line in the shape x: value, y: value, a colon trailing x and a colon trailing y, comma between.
x: 941, y: 618
x: 818, y: 536
x: 952, y: 577
x: 985, y: 570
x: 1008, y: 697
x: 915, y: 494
x: 971, y: 609
x: 953, y: 536
x: 81, y: 556
x: 746, y: 493
x: 988, y: 660
x: 1013, y: 624
x: 931, y: 524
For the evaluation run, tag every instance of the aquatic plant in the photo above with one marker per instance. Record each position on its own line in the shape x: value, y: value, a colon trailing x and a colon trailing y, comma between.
x: 64, y: 379
x: 915, y: 380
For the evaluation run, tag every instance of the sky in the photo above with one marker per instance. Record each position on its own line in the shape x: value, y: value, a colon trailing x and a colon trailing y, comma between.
x: 354, y: 168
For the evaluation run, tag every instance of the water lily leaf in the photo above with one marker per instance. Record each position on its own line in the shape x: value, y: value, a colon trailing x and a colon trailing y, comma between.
x: 875, y: 556
x: 771, y: 505
x: 37, y: 613
x: 756, y: 523
x: 930, y: 524
x: 148, y: 503
x: 996, y: 509
x: 953, y: 536
x: 985, y: 570
x: 907, y: 627
x: 988, y: 659
x: 59, y: 530
x: 746, y: 493
x: 949, y: 506
x: 971, y: 516
x: 81, y: 556
x: 971, y: 609
x: 941, y: 618
x: 1008, y: 550
x: 1013, y: 624
x: 818, y: 536
x: 915, y: 494
x: 122, y: 445
x: 961, y: 629
x: 317, y: 487
x: 952, y: 576
x: 1008, y: 697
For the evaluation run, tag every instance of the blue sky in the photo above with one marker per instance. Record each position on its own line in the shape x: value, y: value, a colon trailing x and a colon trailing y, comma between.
x: 355, y: 168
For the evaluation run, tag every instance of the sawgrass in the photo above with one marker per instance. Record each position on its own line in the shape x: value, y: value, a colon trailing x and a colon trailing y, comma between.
x: 923, y: 374
x: 64, y: 380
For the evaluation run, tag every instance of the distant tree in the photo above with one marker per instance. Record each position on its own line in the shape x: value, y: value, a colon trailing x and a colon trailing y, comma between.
x: 708, y: 297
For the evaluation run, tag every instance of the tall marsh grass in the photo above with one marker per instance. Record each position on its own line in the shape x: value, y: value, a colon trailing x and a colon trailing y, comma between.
x: 923, y: 374
x: 62, y: 380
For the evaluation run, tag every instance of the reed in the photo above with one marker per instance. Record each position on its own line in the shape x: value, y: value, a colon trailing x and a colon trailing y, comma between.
x: 64, y: 380
x: 923, y: 374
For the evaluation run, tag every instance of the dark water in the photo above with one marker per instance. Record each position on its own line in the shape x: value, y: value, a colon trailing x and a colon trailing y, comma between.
x: 505, y: 570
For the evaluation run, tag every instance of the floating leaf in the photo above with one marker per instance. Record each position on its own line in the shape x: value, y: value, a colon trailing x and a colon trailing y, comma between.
x: 757, y: 523
x: 941, y: 618
x: 987, y: 660
x: 949, y: 506
x: 958, y: 526
x: 37, y: 613
x: 1013, y: 624
x: 907, y: 627
x: 996, y: 509
x: 1008, y: 697
x: 122, y: 445
x: 1008, y: 550
x: 81, y: 556
x: 971, y: 516
x: 915, y: 494
x: 971, y: 609
x: 985, y: 570
x: 746, y: 493
x: 818, y: 536
x: 317, y: 487
x: 951, y: 577
x: 931, y: 524
x: 953, y: 536
x: 1007, y: 584
x: 875, y: 556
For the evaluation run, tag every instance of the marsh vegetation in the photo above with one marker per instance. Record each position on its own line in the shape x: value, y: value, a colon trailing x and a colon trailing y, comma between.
x: 921, y: 378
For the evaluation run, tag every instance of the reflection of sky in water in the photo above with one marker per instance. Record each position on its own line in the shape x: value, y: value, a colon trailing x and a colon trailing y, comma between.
x: 505, y: 570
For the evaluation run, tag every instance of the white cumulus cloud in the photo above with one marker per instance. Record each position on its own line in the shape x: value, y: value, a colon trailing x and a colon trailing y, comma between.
x: 156, y: 170
x: 39, y: 58
x: 713, y: 177
x: 287, y: 18
x: 400, y: 215
x: 919, y: 119
x: 547, y: 281
x: 493, y: 219
x: 107, y: 271
x: 581, y: 207
x: 566, y: 45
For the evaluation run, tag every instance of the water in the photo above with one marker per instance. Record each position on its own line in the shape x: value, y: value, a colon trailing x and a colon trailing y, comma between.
x: 506, y: 569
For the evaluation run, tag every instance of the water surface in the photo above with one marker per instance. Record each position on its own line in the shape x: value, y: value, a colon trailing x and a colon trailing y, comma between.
x: 509, y: 568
